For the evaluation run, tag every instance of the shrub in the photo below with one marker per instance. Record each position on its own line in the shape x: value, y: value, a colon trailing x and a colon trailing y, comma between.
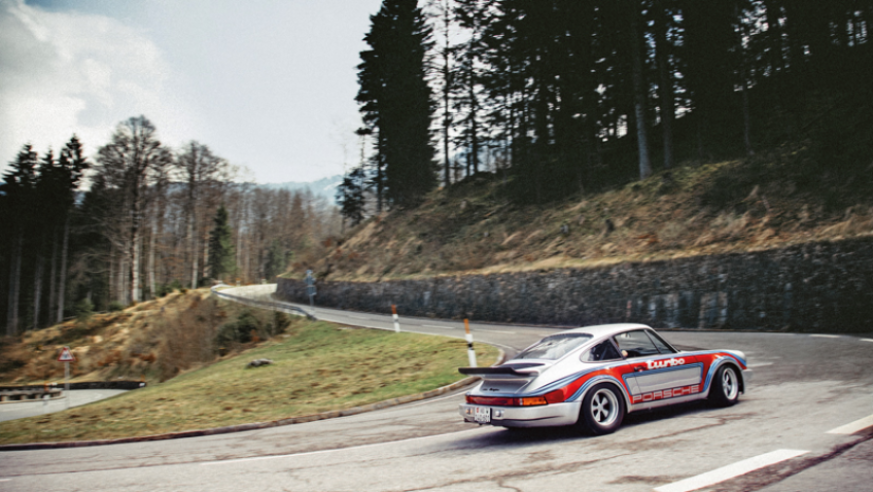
x: 84, y: 309
x: 115, y: 306
x: 240, y: 330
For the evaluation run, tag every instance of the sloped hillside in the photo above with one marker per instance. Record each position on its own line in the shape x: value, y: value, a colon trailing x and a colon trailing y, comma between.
x: 153, y: 341
x: 789, y: 195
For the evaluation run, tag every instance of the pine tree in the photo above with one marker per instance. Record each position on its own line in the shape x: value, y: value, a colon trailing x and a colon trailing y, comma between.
x: 350, y: 196
x: 18, y: 187
x: 222, y: 256
x: 396, y: 100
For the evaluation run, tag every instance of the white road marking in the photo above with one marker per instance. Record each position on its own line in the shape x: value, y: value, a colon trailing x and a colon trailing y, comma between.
x: 440, y: 327
x: 854, y: 427
x: 357, y: 317
x: 867, y: 339
x: 731, y: 471
x: 324, y: 451
x: 5, y: 479
x: 498, y: 331
x: 761, y: 364
x: 825, y: 336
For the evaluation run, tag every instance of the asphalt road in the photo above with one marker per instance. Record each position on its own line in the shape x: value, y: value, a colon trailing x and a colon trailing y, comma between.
x: 775, y: 439
x: 21, y: 409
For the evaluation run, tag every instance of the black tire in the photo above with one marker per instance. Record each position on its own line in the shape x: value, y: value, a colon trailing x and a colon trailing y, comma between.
x: 725, y: 387
x: 602, y: 410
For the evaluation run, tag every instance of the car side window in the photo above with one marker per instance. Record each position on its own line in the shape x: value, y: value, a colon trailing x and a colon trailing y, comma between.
x: 600, y: 352
x: 663, y: 346
x: 636, y: 344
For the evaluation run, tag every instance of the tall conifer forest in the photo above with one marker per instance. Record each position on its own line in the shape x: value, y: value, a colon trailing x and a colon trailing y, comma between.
x: 569, y: 96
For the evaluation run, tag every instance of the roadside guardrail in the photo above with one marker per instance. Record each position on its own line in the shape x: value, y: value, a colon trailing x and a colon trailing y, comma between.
x: 271, y: 305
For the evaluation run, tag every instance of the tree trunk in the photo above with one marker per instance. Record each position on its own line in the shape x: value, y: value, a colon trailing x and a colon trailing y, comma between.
x: 37, y: 289
x: 206, y: 271
x: 639, y: 96
x: 53, y: 293
x: 14, y: 287
x: 665, y: 85
x: 111, y: 282
x: 447, y: 88
x: 194, y: 261
x: 62, y: 280
x: 123, y: 273
x: 747, y: 122
x: 774, y: 35
x: 151, y: 266
x: 135, y: 252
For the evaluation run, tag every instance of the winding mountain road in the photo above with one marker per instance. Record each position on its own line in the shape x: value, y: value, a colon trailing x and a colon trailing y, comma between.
x: 804, y: 424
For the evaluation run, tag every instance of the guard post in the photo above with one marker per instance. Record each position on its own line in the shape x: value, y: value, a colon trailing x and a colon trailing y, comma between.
x: 471, y: 354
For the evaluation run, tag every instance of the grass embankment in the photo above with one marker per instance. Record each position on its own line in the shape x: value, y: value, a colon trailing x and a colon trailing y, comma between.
x: 786, y: 196
x: 153, y: 341
x: 317, y: 367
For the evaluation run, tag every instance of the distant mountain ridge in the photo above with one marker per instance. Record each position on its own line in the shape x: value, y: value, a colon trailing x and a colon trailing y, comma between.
x: 325, y: 187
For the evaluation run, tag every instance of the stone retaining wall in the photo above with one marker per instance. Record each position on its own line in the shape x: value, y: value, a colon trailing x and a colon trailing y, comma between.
x: 825, y: 286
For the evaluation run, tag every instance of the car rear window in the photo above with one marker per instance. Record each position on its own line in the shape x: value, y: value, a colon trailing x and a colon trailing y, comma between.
x: 554, y: 347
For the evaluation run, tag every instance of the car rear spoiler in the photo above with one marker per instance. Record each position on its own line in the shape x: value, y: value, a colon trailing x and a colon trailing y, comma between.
x: 498, y: 371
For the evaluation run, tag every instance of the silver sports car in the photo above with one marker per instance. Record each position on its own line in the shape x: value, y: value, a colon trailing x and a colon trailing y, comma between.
x: 591, y: 377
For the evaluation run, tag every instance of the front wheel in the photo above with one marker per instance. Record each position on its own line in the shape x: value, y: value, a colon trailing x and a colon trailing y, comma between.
x: 602, y: 409
x: 725, y: 387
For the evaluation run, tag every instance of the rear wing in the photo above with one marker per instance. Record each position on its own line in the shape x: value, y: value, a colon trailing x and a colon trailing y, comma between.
x: 525, y: 371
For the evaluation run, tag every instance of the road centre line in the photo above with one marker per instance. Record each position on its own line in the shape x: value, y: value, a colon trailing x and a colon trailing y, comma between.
x: 731, y: 471
x: 825, y: 336
x: 437, y: 326
x: 357, y: 317
x: 867, y: 339
x: 760, y: 364
x: 325, y: 451
x: 853, y: 427
x: 499, y: 331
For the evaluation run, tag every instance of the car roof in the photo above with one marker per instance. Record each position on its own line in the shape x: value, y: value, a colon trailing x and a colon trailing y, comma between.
x: 607, y: 330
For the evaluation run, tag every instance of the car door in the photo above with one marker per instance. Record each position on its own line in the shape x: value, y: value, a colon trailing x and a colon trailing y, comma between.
x: 658, y: 371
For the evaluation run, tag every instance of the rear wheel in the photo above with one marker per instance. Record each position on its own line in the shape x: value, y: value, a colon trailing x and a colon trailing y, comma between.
x: 602, y: 409
x: 725, y: 387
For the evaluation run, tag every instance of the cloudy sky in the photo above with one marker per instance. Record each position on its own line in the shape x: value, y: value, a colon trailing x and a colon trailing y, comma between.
x: 268, y: 85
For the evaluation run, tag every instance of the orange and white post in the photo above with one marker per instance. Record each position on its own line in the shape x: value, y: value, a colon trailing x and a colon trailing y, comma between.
x: 471, y: 354
x: 396, y: 319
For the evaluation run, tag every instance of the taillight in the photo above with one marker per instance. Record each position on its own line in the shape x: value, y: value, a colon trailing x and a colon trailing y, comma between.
x: 556, y: 396
x: 534, y: 400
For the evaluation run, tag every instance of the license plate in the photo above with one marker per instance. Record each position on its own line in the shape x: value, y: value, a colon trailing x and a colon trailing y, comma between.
x: 482, y: 415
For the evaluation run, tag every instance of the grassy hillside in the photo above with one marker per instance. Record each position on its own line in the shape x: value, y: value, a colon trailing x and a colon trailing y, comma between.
x: 792, y: 194
x: 316, y: 367
x: 153, y: 341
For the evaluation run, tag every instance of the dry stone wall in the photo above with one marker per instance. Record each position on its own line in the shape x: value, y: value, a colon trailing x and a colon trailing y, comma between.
x: 825, y: 286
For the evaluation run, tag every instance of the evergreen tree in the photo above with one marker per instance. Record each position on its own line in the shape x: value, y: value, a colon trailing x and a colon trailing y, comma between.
x: 222, y: 256
x: 18, y: 187
x: 396, y: 100
x: 350, y: 196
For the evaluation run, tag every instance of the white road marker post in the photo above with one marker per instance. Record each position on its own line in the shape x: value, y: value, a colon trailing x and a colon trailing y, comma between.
x: 66, y: 357
x: 396, y: 319
x: 471, y: 354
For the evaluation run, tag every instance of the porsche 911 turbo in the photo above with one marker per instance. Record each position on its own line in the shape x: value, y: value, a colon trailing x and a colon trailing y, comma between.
x: 591, y: 377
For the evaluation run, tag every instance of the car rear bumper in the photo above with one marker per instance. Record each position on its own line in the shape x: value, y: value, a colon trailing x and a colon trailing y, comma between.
x: 554, y: 414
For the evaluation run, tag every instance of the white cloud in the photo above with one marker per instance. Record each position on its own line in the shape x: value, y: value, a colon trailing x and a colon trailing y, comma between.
x: 66, y: 72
